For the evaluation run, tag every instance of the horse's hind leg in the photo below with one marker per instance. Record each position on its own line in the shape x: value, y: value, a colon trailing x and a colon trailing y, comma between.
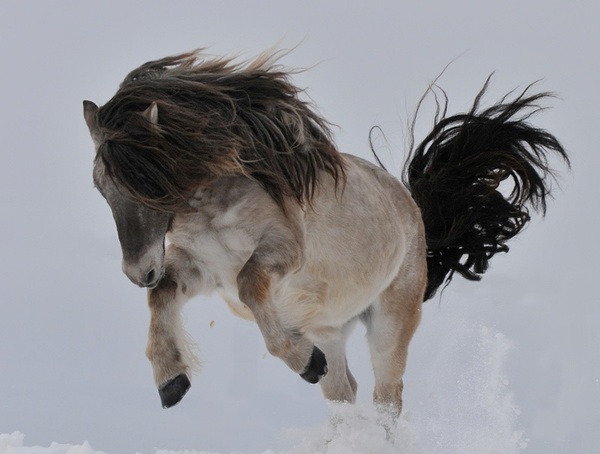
x: 339, y: 384
x: 391, y: 322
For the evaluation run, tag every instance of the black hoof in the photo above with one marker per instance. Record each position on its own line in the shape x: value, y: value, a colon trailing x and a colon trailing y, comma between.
x: 316, y: 368
x: 174, y: 390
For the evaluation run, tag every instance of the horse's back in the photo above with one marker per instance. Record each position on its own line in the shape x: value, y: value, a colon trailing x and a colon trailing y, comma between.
x: 357, y: 240
x: 370, y: 222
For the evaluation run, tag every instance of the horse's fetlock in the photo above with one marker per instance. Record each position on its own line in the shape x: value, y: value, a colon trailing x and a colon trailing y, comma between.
x: 389, y: 397
x: 163, y: 352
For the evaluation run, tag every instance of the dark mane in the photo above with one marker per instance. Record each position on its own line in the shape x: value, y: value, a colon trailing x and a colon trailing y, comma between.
x: 215, y: 117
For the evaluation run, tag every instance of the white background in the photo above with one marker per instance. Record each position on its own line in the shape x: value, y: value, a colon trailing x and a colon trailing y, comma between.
x: 72, y: 327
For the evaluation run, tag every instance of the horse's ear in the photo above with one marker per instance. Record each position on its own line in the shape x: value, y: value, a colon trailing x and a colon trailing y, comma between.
x: 151, y: 114
x: 89, y: 113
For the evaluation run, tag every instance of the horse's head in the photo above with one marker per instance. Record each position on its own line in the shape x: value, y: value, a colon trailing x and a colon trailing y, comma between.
x: 141, y: 229
x: 217, y: 119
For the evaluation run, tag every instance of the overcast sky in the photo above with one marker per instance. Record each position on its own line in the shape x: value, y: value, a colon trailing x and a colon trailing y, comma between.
x: 72, y: 327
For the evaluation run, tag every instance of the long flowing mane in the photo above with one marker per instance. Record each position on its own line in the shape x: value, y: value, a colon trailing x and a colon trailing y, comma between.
x: 216, y: 117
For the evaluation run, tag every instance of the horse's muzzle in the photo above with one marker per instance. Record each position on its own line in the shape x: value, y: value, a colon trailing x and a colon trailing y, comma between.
x: 144, y: 278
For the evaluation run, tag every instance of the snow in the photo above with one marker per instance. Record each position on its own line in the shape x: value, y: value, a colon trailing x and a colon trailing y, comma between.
x: 13, y: 444
x: 470, y: 410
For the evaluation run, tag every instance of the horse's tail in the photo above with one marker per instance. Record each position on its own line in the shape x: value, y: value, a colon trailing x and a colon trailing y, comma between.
x: 455, y: 177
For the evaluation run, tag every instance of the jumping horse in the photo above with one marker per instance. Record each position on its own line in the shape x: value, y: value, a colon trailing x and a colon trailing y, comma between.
x: 227, y: 164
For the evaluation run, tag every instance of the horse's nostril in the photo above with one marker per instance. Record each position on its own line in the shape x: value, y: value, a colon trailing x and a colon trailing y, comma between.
x: 150, y: 276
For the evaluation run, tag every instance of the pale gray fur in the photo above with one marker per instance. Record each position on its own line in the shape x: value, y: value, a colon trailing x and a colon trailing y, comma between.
x: 304, y: 274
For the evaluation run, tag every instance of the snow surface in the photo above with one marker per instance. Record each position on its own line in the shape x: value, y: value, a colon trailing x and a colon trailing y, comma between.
x: 480, y: 418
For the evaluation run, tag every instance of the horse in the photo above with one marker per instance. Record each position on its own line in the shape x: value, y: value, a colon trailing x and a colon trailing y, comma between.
x: 222, y: 178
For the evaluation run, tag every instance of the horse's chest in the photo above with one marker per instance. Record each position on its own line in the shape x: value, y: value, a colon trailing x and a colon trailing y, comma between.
x: 219, y: 252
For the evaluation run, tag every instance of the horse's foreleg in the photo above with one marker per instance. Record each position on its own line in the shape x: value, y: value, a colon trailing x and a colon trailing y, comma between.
x: 256, y: 284
x: 168, y: 350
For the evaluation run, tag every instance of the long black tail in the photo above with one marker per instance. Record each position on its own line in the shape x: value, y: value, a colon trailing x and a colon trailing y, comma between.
x: 455, y: 175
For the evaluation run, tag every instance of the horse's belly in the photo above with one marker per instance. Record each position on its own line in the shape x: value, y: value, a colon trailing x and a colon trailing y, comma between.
x: 312, y: 303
